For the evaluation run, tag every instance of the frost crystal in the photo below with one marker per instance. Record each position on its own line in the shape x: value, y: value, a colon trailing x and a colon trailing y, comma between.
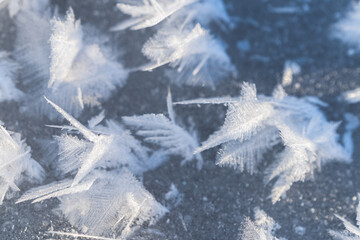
x: 8, y: 68
x: 203, y: 12
x: 16, y: 164
x: 352, y: 96
x: 181, y: 42
x: 78, y: 71
x: 352, y: 232
x: 198, y: 57
x: 290, y: 69
x: 148, y: 13
x: 118, y: 203
x: 107, y: 146
x: 97, y: 201
x: 105, y: 204
x: 164, y: 132
x: 254, y: 124
x: 263, y: 228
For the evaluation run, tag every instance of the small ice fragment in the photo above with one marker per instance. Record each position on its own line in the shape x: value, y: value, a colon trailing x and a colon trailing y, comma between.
x: 352, y: 96
x: 290, y: 69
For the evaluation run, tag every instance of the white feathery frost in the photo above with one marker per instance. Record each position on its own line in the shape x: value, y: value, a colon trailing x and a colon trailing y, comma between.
x: 198, y: 57
x: 8, y: 70
x: 65, y: 43
x: 164, y: 132
x: 352, y: 232
x: 148, y: 13
x: 105, y: 204
x: 32, y: 50
x: 104, y: 198
x: 203, y: 12
x: 108, y: 146
x: 181, y: 41
x: 262, y: 228
x: 69, y: 67
x: 254, y: 124
x: 16, y: 163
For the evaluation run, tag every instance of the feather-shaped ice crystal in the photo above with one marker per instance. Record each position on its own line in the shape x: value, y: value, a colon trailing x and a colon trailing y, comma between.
x: 16, y: 163
x: 255, y: 124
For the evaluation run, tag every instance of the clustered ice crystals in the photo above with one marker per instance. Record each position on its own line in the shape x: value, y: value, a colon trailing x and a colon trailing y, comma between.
x: 99, y: 163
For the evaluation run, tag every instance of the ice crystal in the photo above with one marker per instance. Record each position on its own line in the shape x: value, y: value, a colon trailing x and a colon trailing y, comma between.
x: 199, y: 58
x: 148, y: 13
x: 78, y: 71
x: 97, y: 201
x: 352, y: 232
x: 181, y: 42
x: 203, y: 12
x: 262, y: 228
x: 290, y: 69
x: 352, y: 96
x: 254, y: 124
x: 16, y: 163
x: 164, y: 132
x: 108, y: 146
x: 104, y: 204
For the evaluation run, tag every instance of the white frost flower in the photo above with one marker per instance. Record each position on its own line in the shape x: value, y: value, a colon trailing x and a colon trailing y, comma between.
x: 107, y: 146
x: 148, y: 13
x: 16, y: 164
x: 104, y: 204
x: 255, y: 124
x: 64, y: 64
x: 164, y: 132
x: 352, y: 232
x: 198, y: 57
x: 262, y: 228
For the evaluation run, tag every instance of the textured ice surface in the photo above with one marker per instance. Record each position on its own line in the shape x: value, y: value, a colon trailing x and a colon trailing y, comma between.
x: 216, y: 200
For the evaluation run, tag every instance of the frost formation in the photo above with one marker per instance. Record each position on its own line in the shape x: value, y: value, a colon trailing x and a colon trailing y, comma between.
x: 72, y: 68
x: 181, y: 41
x: 97, y: 201
x: 255, y: 124
x: 16, y: 163
x: 164, y: 132
x: 262, y: 228
x: 352, y: 232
